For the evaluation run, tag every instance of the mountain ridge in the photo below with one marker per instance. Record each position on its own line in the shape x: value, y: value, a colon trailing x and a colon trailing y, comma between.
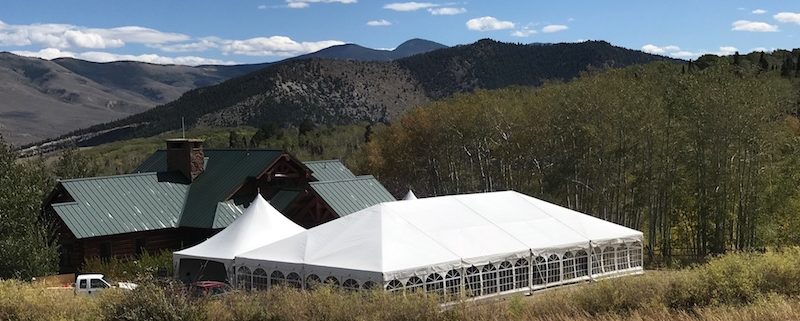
x: 345, y: 91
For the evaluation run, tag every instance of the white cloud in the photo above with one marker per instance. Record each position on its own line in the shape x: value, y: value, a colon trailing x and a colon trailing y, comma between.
x: 524, y: 32
x: 446, y: 11
x: 99, y: 56
x: 677, y: 52
x: 379, y: 23
x: 262, y: 7
x: 759, y: 11
x: 201, y: 44
x: 753, y: 26
x: 299, y: 4
x: 788, y: 17
x: 726, y: 51
x: 409, y: 6
x: 554, y: 28
x: 275, y: 46
x: 488, y: 23
x: 63, y: 36
x: 760, y: 49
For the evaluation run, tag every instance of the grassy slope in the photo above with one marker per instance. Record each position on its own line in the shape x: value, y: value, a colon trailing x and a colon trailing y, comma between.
x: 734, y: 287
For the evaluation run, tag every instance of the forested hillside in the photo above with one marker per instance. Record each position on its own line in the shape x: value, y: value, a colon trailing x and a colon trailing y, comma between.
x: 703, y: 157
x: 347, y: 92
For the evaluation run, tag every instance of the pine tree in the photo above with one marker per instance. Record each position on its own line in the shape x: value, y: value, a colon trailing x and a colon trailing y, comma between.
x: 788, y: 67
x: 762, y: 63
x: 736, y: 59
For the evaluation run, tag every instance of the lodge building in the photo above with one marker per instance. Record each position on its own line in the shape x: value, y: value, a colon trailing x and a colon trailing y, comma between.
x: 184, y: 194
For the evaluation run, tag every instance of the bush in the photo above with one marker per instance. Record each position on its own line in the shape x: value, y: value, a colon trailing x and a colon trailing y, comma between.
x: 125, y: 269
x: 153, y: 302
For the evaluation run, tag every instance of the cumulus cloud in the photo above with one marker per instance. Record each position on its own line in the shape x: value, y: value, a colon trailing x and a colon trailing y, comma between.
x: 409, y: 6
x: 379, y: 23
x: 554, y: 28
x: 299, y: 4
x: 64, y: 36
x: 199, y: 45
x: 524, y: 32
x: 275, y: 46
x: 788, y: 17
x: 99, y: 56
x: 677, y: 52
x: 488, y: 23
x: 759, y: 11
x: 753, y: 26
x: 446, y: 11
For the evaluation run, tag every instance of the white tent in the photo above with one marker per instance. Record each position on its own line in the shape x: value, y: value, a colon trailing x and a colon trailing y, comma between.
x: 259, y: 225
x: 475, y: 244
x: 409, y: 196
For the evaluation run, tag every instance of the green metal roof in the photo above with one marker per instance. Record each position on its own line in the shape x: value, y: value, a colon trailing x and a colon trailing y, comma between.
x: 329, y: 170
x: 225, y: 171
x: 352, y: 195
x: 226, y: 213
x: 123, y: 203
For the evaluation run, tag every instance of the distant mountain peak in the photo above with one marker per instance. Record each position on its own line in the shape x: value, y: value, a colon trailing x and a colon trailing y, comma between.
x: 353, y: 51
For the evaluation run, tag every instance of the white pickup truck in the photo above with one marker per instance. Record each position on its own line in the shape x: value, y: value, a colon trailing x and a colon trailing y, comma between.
x: 91, y: 284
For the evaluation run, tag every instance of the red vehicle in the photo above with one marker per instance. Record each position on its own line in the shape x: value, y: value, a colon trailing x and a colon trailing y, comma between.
x: 209, y: 288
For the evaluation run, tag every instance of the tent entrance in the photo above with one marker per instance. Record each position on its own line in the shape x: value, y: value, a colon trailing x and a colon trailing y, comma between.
x: 193, y: 270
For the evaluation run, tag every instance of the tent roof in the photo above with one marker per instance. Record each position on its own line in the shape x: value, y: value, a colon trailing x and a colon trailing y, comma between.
x: 259, y: 225
x: 409, y: 196
x: 440, y: 233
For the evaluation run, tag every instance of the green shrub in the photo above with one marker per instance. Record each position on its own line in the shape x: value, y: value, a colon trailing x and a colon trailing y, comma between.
x: 124, y: 269
x: 153, y: 302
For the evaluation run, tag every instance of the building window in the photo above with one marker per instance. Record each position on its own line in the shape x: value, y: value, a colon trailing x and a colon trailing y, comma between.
x: 105, y: 251
x: 140, y: 247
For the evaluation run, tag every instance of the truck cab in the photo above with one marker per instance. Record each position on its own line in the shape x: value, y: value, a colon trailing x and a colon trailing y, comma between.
x: 90, y: 284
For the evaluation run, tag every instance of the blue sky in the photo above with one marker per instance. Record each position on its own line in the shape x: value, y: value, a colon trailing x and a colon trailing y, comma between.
x: 204, y: 31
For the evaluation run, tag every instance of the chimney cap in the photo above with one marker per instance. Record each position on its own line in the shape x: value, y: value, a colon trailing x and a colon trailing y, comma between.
x: 184, y: 140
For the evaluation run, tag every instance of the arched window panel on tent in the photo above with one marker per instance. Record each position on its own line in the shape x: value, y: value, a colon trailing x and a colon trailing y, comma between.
x: 414, y: 284
x: 489, y: 279
x: 505, y: 273
x: 622, y: 257
x: 581, y: 264
x: 635, y: 251
x: 568, y: 263
x: 452, y: 283
x: 369, y: 285
x: 434, y: 283
x: 293, y: 281
x: 277, y: 278
x: 539, y: 271
x: 597, y: 261
x: 313, y: 281
x: 553, y: 269
x: 243, y: 277
x: 260, y: 279
x: 609, y: 259
x: 521, y: 273
x: 350, y: 285
x: 394, y: 286
x: 332, y: 281
x: 472, y: 281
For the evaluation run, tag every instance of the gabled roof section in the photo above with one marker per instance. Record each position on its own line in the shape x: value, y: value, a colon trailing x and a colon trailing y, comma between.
x: 329, y: 170
x: 352, y: 195
x: 123, y: 203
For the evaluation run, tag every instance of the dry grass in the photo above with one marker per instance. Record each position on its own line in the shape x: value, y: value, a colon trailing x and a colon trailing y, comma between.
x: 734, y: 287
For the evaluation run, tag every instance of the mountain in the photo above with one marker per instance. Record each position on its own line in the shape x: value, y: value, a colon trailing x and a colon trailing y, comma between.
x: 347, y: 91
x: 46, y: 98
x: 356, y: 52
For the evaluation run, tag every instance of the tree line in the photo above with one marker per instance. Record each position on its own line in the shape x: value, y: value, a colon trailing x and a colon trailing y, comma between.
x: 705, y: 160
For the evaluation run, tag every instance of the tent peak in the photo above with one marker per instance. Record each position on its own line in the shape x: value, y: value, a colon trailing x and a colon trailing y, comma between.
x: 409, y: 196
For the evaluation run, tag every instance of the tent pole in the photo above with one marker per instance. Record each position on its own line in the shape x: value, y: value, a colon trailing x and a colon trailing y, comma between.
x: 590, y: 261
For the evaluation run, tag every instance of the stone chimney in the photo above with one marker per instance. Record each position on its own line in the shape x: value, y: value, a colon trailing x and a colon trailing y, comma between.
x: 186, y: 156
